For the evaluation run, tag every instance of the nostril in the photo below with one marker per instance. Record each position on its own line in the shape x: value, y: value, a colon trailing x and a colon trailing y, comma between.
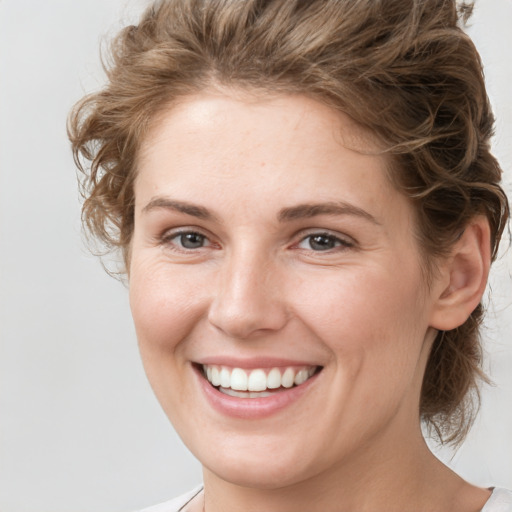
x: 245, y: 319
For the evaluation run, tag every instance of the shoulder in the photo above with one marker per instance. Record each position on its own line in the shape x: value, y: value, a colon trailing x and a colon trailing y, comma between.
x: 176, y: 504
x: 500, y: 501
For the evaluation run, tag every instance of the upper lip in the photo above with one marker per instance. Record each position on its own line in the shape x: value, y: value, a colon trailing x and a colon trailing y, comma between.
x: 254, y: 362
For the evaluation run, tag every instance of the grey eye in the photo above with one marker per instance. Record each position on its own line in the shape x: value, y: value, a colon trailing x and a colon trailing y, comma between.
x: 191, y: 240
x: 319, y: 242
x: 322, y: 242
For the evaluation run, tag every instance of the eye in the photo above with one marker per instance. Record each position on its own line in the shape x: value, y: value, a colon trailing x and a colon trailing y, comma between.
x: 188, y: 240
x: 323, y: 242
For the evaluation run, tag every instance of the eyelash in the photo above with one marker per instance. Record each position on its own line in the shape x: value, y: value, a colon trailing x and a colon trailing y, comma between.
x: 334, y: 243
x: 339, y: 244
x: 169, y: 237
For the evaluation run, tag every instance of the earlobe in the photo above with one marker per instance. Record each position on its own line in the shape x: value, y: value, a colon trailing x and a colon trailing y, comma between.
x: 463, y: 277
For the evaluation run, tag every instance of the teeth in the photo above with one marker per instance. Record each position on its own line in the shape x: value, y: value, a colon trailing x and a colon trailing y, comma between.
x: 288, y: 378
x: 215, y: 376
x: 225, y: 378
x: 232, y: 381
x: 274, y: 379
x: 257, y: 381
x: 245, y: 394
x: 238, y: 380
x: 302, y: 376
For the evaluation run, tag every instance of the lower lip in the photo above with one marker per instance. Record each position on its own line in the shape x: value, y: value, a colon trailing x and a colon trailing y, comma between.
x: 252, y: 408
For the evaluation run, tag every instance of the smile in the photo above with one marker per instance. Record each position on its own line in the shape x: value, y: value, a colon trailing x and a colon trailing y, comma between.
x: 258, y: 382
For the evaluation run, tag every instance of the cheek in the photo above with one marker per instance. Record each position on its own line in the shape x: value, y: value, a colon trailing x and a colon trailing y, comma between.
x: 165, y: 306
x: 367, y: 317
x: 374, y: 326
x: 365, y: 298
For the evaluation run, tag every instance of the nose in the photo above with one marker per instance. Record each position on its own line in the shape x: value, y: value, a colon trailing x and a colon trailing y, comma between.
x: 249, y: 298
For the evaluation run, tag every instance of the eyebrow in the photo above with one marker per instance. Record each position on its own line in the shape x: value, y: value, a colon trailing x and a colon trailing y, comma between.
x: 180, y: 206
x: 304, y: 211
x: 301, y: 211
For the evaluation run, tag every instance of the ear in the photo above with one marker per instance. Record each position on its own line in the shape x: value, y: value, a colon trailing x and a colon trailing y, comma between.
x: 463, y: 277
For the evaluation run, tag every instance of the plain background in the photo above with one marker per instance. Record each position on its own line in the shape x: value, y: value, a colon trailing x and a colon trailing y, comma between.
x: 79, y: 427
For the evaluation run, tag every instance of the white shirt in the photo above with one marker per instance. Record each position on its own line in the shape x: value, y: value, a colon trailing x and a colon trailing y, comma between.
x: 500, y: 501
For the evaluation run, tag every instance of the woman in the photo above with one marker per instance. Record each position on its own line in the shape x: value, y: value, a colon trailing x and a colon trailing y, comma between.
x: 307, y: 207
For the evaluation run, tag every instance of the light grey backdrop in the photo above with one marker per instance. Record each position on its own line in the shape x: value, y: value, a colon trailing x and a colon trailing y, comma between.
x: 79, y: 427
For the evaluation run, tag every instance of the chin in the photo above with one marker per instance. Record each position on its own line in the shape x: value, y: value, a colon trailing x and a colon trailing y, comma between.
x: 262, y: 476
x: 255, y: 466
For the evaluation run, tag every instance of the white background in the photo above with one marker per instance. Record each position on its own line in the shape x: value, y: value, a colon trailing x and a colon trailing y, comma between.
x: 79, y: 427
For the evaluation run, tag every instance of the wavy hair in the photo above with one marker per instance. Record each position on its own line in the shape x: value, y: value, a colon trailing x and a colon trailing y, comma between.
x: 403, y: 69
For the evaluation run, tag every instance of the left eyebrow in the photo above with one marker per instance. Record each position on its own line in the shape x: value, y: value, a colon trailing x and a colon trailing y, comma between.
x: 304, y: 211
x: 187, y: 208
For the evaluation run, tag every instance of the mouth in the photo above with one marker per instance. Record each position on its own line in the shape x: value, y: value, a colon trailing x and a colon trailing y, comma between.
x: 257, y: 382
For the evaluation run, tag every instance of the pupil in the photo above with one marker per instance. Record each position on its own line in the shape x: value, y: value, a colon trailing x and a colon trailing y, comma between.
x: 321, y: 242
x: 191, y: 240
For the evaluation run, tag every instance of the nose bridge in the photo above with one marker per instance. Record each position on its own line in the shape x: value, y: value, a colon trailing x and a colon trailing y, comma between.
x: 249, y: 297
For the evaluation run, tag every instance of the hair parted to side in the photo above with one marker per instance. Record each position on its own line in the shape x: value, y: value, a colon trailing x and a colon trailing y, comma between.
x: 403, y: 69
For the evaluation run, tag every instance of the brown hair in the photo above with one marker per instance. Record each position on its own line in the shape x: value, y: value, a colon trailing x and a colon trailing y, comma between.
x: 404, y: 69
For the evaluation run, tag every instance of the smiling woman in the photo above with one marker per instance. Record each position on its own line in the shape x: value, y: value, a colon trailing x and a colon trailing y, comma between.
x: 308, y: 210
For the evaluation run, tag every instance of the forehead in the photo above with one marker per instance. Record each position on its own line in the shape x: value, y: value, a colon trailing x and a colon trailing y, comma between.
x: 294, y: 115
x: 290, y: 148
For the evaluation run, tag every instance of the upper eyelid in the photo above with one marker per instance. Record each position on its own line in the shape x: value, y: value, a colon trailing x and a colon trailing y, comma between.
x: 169, y: 233
x: 341, y: 243
x: 169, y: 241
x: 172, y: 232
x: 326, y: 232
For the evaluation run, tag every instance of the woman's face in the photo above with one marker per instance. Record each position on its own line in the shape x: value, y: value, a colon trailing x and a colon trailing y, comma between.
x: 267, y: 254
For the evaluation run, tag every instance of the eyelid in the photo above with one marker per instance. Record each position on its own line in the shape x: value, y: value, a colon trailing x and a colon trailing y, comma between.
x: 173, y: 232
x: 169, y: 234
x: 345, y: 239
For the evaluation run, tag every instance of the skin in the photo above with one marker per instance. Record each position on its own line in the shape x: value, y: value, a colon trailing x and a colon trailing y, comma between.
x: 231, y: 169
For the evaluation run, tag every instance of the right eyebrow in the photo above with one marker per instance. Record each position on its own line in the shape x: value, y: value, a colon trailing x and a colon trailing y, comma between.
x: 167, y: 203
x: 304, y: 211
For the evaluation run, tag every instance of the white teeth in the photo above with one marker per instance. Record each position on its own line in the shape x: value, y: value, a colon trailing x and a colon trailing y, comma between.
x: 225, y: 378
x: 254, y: 382
x: 245, y: 394
x: 238, y: 380
x: 288, y: 378
x: 257, y: 381
x: 215, y: 376
x: 274, y: 379
x: 301, y: 377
